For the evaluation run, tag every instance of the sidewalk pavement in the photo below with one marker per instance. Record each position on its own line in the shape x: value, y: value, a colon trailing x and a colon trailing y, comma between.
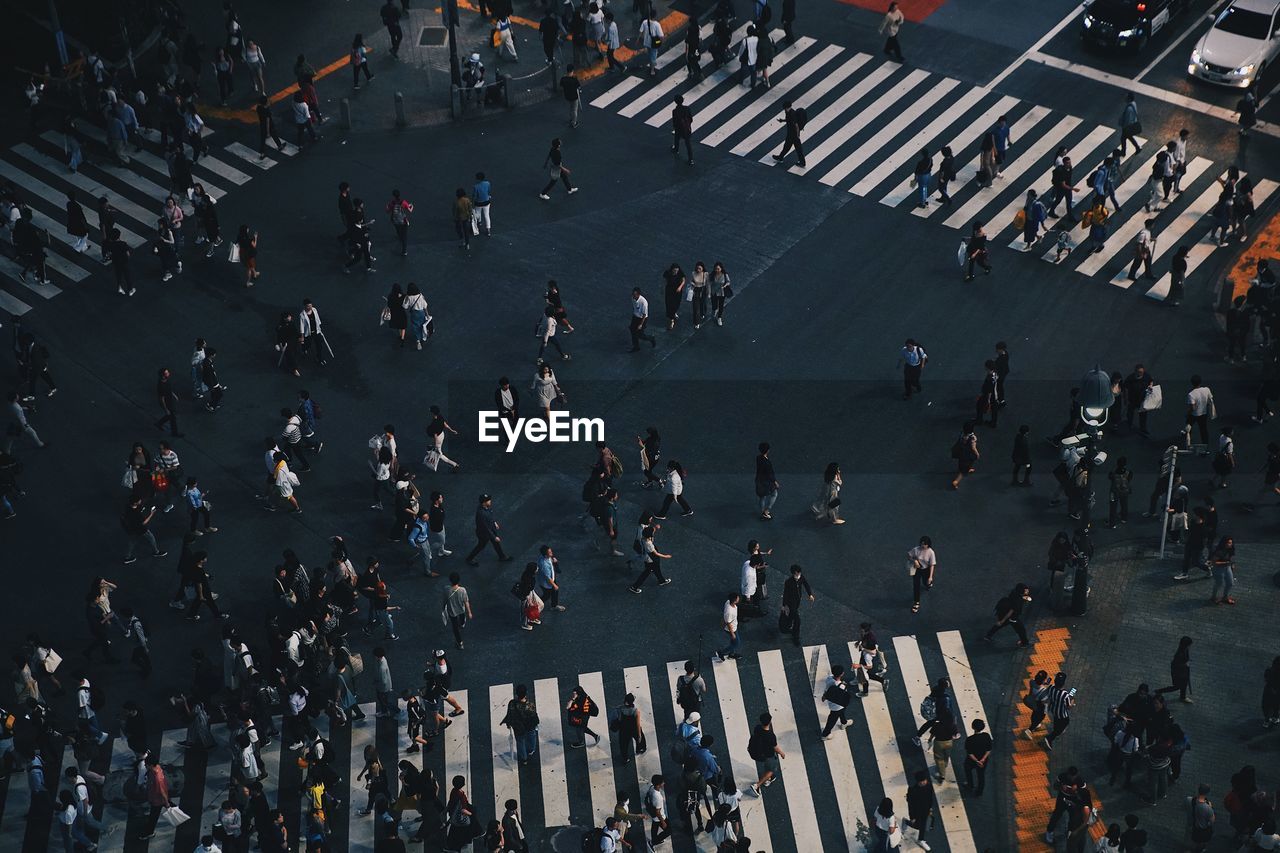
x: 420, y: 71
x: 1137, y: 613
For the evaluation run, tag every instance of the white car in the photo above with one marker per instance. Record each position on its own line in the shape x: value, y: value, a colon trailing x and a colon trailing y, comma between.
x: 1244, y: 38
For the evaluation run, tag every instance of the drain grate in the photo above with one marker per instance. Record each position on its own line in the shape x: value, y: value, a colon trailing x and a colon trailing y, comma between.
x: 432, y: 36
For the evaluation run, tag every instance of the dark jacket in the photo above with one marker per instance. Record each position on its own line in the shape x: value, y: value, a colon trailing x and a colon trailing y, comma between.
x: 766, y: 482
x: 486, y: 524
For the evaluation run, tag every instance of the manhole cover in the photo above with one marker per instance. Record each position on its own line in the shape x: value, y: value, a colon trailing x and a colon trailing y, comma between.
x: 432, y: 36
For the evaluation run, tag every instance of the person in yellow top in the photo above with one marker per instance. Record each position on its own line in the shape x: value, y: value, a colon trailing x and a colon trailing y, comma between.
x: 889, y: 27
x: 462, y: 211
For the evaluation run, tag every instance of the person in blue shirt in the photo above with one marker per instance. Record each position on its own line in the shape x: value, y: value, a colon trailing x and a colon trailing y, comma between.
x: 481, y: 201
x: 706, y: 762
x: 548, y: 588
x: 198, y: 507
x: 420, y: 538
x: 1003, y: 142
x: 309, y: 412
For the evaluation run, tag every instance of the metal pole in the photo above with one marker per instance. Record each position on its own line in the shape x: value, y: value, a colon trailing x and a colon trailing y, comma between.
x: 450, y: 11
x: 58, y: 36
x: 1171, y: 456
x: 128, y: 49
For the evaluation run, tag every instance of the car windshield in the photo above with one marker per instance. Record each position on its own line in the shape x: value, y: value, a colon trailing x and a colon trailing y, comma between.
x: 1122, y: 13
x: 1242, y: 22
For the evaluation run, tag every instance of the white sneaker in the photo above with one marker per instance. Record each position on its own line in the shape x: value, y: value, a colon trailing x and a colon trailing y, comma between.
x: 572, y: 190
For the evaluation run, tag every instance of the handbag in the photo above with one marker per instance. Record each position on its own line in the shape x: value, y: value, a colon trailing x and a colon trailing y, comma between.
x: 1152, y: 399
x: 728, y: 291
x: 357, y: 663
x: 688, y: 293
x: 432, y: 459
x: 385, y: 316
x: 175, y: 816
x: 1133, y: 128
x: 234, y: 254
x: 475, y: 226
x: 52, y: 660
x: 130, y: 478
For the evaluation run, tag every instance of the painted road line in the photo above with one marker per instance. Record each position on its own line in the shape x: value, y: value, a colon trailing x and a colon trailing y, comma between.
x: 555, y: 788
x: 44, y: 192
x: 247, y: 154
x: 901, y: 121
x: 964, y: 686
x: 121, y: 173
x: 922, y: 139
x: 804, y: 820
x: 222, y: 170
x: 144, y: 157
x: 783, y: 87
x: 812, y: 95
x: 665, y: 86
x: 1169, y: 237
x: 1078, y: 154
x: 457, y: 743
x: 632, y: 81
x: 12, y: 304
x: 82, y: 182
x: 971, y: 135
x: 1030, y: 120
x: 360, y: 828
x: 1146, y: 90
x: 114, y: 813
x: 704, y: 116
x: 599, y: 755
x: 1133, y: 192
x: 950, y: 806
x: 1041, y: 42
x: 289, y: 151
x: 635, y: 680
x: 1201, y: 251
x: 675, y: 669
x: 737, y: 731
x: 692, y: 96
x: 506, y: 770
x: 1026, y: 158
x: 884, y: 741
x: 839, y: 749
x: 854, y: 125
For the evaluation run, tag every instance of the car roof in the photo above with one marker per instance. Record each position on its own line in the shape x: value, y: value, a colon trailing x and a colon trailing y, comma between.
x: 1266, y: 7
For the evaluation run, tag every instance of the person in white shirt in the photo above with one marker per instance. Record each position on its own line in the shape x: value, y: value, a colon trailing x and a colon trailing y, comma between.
x: 1143, y: 248
x: 675, y: 491
x: 506, y: 39
x: 749, y: 581
x: 302, y: 120
x: 639, y: 319
x: 1200, y: 409
x: 651, y: 38
x: 729, y: 622
x: 547, y: 334
x: 611, y: 840
x: 749, y: 54
x: 1225, y: 462
x: 207, y: 844
x: 655, y: 805
x: 921, y: 564
x: 1179, y: 160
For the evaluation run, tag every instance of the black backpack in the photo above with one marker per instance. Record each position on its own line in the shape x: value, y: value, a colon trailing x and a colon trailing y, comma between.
x: 837, y: 693
x: 97, y: 699
x: 802, y: 117
x: 686, y: 696
x: 591, y: 840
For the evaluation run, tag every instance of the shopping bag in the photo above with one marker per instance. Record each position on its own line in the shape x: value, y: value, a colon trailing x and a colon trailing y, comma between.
x: 962, y: 254
x: 234, y: 254
x: 432, y: 459
x: 174, y: 815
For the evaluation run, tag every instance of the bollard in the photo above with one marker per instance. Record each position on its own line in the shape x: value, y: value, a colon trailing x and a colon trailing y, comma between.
x: 344, y: 114
x: 400, y: 122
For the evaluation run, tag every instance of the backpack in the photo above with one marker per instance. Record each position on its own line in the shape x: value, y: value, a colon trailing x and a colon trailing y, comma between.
x: 97, y: 699
x: 680, y: 751
x: 802, y: 117
x: 686, y: 696
x: 591, y: 840
x: 837, y: 694
x: 928, y: 708
x: 1001, y: 606
x: 755, y: 749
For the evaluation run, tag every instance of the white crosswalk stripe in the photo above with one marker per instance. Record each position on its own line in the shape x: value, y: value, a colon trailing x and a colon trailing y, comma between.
x: 1081, y: 153
x: 136, y: 190
x: 868, y: 119
x: 1122, y: 238
x: 792, y: 816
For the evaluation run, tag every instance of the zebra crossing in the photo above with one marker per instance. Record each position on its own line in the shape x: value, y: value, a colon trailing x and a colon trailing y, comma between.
x: 868, y: 120
x: 823, y: 803
x: 37, y: 169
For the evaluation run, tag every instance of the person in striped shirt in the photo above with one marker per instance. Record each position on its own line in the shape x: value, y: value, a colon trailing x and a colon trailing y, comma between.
x: 1060, y: 702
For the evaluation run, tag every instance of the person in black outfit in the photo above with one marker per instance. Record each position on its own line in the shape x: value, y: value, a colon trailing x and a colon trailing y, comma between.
x: 33, y: 363
x: 794, y: 121
x: 682, y: 128
x: 118, y: 252
x: 1180, y: 671
x: 977, y: 251
x: 209, y: 376
x: 791, y: 598
x: 487, y: 530
x: 1002, y: 370
x: 1135, y: 392
x: 266, y: 128
x: 168, y: 403
x: 391, y: 20
x: 1009, y: 612
x: 1133, y: 840
x: 977, y: 753
x: 766, y: 482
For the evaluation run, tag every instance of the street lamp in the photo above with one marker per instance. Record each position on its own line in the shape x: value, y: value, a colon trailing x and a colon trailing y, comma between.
x: 1096, y: 399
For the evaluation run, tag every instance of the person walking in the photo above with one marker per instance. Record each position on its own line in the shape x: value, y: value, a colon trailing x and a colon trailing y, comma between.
x: 1224, y: 571
x: 988, y: 402
x: 1247, y: 110
x: 921, y: 174
x: 1200, y: 409
x: 652, y: 560
x: 399, y: 209
x: 1059, y: 702
x: 571, y: 87
x: 919, y: 799
x: 1143, y: 249
x: 837, y: 696
x: 1022, y: 457
x: 794, y: 119
x: 359, y: 61
x: 922, y: 562
x: 482, y: 203
x: 640, y: 319
x: 977, y: 749
x: 1032, y: 218
x: 302, y: 120
x: 612, y: 42
x: 674, y: 487
x: 487, y: 532
x: 1180, y: 671
x: 889, y: 28
x: 965, y: 452
x: 548, y: 565
x: 763, y: 748
x: 766, y: 482
x: 794, y: 591
x: 651, y: 37
x: 578, y: 713
x: 914, y: 358
x: 137, y: 527
x: 729, y: 624
x: 682, y: 128
x: 827, y: 506
x: 168, y: 403
x: 976, y: 251
x: 391, y: 20
x: 462, y: 216
x: 522, y: 719
x: 1008, y: 611
x: 1130, y: 126
x: 456, y: 607
x: 77, y: 222
x: 557, y: 171
x: 267, y: 128
x: 1200, y: 819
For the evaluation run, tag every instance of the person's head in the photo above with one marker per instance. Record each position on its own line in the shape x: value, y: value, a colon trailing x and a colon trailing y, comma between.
x: 796, y: 570
x: 1129, y: 98
x: 885, y: 809
x: 831, y: 472
x: 635, y: 293
x: 734, y: 598
x: 764, y: 448
x: 679, y: 100
x: 978, y: 726
x: 766, y: 719
x: 460, y: 193
x: 555, y: 143
x: 837, y: 670
x: 926, y: 542
x: 454, y: 578
x: 657, y: 780
x: 1060, y: 679
x: 1202, y: 790
x: 1195, y: 380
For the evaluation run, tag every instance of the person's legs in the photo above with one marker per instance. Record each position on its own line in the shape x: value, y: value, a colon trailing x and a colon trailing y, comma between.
x: 666, y: 505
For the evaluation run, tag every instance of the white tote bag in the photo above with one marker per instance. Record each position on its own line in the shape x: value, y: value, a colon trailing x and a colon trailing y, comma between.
x: 234, y: 254
x: 175, y: 816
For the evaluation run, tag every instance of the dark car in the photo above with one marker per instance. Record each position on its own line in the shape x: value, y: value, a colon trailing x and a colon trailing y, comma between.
x: 1127, y: 24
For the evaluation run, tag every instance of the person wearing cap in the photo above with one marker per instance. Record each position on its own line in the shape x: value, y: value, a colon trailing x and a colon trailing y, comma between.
x: 473, y: 76
x: 487, y: 531
x: 691, y: 729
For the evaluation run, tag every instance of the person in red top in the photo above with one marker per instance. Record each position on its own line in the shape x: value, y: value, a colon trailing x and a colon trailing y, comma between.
x: 462, y: 817
x: 157, y: 795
